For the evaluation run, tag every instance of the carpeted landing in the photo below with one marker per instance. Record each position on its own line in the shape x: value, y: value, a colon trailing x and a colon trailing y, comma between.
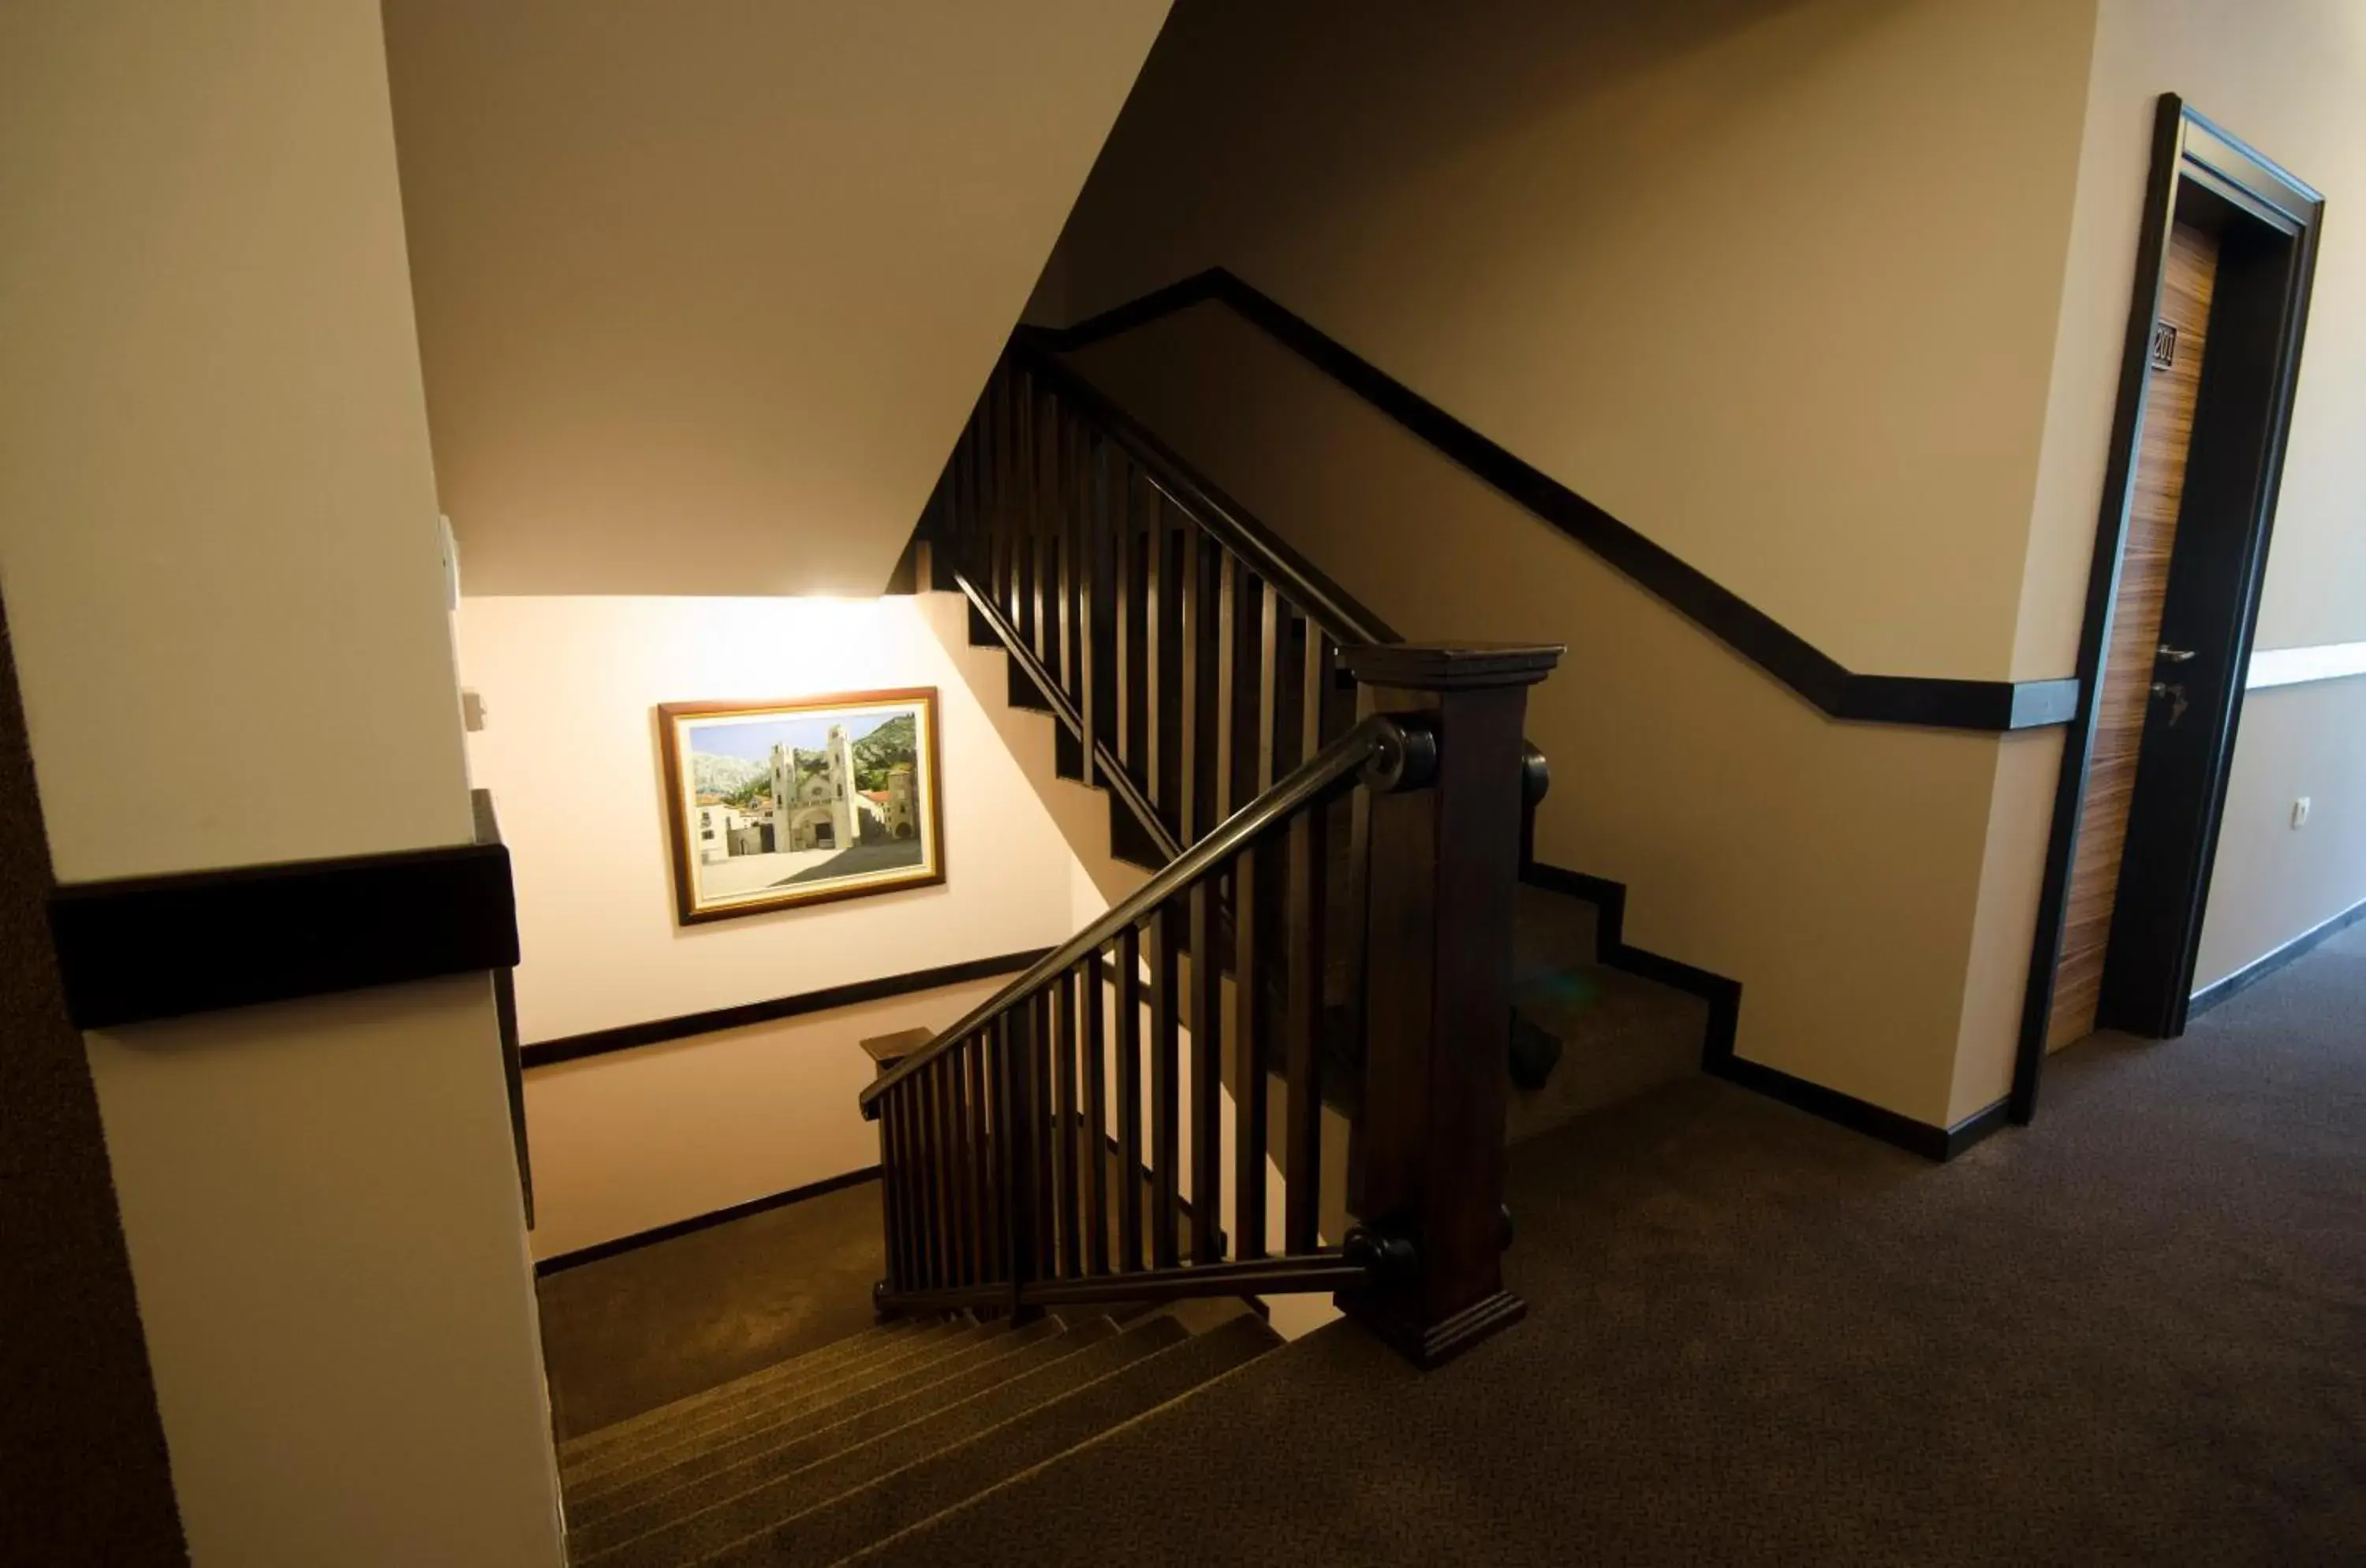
x: 2133, y: 1333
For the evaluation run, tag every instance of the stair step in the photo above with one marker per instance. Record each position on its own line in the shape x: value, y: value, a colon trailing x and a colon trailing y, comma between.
x: 1130, y: 841
x: 766, y: 1505
x: 882, y: 1339
x: 736, y: 1463
x: 1621, y: 1036
x: 717, y: 1421
x: 910, y: 1496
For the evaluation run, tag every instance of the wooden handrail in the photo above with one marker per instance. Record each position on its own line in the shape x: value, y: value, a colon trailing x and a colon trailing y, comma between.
x: 1389, y: 751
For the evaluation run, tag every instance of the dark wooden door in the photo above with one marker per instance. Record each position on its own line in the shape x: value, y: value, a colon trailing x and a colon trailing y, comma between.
x: 2146, y: 694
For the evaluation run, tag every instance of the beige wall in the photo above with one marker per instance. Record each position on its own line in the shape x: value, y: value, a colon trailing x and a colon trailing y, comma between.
x: 569, y: 751
x: 212, y: 450
x: 218, y: 542
x: 625, y: 1142
x: 1775, y: 281
x: 323, y: 1217
x: 705, y: 290
x: 2272, y: 884
x: 2284, y: 76
x: 1833, y: 868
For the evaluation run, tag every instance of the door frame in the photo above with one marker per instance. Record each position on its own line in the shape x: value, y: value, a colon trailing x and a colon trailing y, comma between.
x: 2187, y: 150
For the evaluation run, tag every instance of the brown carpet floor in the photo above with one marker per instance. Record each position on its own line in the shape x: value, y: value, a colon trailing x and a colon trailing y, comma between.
x: 2133, y: 1333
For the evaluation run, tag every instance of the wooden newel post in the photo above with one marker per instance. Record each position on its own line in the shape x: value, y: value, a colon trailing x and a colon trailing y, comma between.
x: 1444, y: 868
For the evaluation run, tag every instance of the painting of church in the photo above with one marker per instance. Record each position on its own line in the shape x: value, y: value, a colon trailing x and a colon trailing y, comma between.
x: 794, y: 803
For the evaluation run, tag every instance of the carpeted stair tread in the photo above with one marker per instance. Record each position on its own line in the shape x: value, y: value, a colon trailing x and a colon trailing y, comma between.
x: 1551, y: 931
x: 720, y: 1422
x: 897, y: 1501
x: 837, y: 1468
x: 882, y: 1340
x: 1621, y: 1036
x: 714, y: 1474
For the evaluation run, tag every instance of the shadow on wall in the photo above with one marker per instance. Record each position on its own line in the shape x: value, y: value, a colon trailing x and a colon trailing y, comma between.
x: 1395, y: 96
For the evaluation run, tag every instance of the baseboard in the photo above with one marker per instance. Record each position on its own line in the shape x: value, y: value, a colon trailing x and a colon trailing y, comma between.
x: 2259, y: 969
x: 1932, y: 1142
x: 1722, y: 994
x: 1724, y: 997
x: 562, y: 1261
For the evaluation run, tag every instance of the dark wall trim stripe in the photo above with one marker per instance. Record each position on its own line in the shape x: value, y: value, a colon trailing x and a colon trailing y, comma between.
x: 1841, y: 693
x: 147, y: 948
x: 575, y: 1047
x: 559, y: 1262
x: 2259, y: 969
x: 1724, y: 999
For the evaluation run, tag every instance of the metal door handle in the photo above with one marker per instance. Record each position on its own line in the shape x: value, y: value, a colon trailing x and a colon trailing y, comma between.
x: 2172, y: 655
x: 2177, y: 703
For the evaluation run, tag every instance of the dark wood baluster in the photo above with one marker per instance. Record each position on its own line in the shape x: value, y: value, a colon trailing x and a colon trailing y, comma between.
x: 957, y: 1143
x: 1272, y: 625
x: 977, y: 531
x: 1210, y: 632
x: 1134, y: 631
x: 993, y: 471
x: 1064, y: 556
x: 1095, y: 1135
x: 950, y: 1132
x: 1129, y: 1099
x: 1038, y: 533
x: 1015, y: 1127
x: 1318, y: 678
x: 1207, y: 1076
x: 1252, y: 891
x: 1065, y: 1125
x: 1157, y: 666
x: 1027, y: 588
x: 1232, y: 676
x: 1076, y: 556
x: 979, y: 1248
x: 1289, y: 693
x: 1007, y: 472
x: 945, y: 1179
x: 1097, y: 525
x: 1194, y: 686
x: 1166, y: 1053
x: 1046, y: 1145
x: 983, y: 1199
x: 972, y: 510
x: 919, y: 1180
x: 1303, y: 1032
x: 891, y: 1193
x: 915, y: 1183
x: 1167, y: 715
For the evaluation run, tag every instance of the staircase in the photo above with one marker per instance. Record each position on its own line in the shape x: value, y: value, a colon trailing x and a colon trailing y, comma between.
x: 1091, y: 555
x: 1289, y: 1062
x: 844, y: 1453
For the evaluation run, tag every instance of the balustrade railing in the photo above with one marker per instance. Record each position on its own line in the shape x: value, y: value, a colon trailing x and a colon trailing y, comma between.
x: 1340, y: 819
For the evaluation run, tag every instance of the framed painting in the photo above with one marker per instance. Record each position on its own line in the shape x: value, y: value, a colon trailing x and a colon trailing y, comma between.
x: 773, y: 805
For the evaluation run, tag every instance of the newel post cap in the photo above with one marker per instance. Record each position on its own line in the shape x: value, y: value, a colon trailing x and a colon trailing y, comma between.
x: 1452, y: 666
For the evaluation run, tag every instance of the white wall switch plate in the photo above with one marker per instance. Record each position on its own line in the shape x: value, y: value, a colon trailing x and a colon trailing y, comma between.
x: 2300, y: 812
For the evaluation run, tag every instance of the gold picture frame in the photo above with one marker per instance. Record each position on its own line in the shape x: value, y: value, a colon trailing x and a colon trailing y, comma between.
x: 864, y: 807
